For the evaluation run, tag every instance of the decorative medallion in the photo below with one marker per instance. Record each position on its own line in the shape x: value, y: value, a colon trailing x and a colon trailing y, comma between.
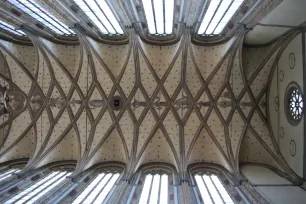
x: 281, y: 132
x: 281, y: 75
x: 294, y: 104
x: 117, y: 103
x: 292, y: 148
x: 291, y: 60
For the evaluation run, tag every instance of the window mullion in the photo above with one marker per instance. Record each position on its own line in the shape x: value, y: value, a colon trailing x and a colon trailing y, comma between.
x: 96, y: 15
x: 152, y: 2
x: 216, y: 189
x: 105, y: 17
x: 148, y: 200
x: 102, y: 188
x: 229, y: 6
x: 164, y: 11
x: 213, y: 15
x: 93, y: 188
x: 208, y: 191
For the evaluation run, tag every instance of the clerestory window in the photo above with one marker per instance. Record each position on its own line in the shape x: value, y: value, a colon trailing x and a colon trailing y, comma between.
x: 218, y: 14
x: 40, y: 14
x: 159, y: 15
x: 155, y: 189
x: 98, y: 189
x: 211, y: 189
x: 101, y: 15
x: 38, y: 189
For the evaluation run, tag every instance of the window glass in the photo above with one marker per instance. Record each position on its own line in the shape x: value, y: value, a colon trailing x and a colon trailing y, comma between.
x: 40, y: 14
x: 218, y: 14
x: 212, y: 190
x: 155, y: 189
x: 8, y: 173
x: 159, y: 16
x: 10, y: 28
x: 38, y: 189
x: 98, y: 189
x: 101, y: 15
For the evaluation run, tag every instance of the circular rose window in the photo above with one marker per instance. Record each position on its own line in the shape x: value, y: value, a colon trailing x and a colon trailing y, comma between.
x: 294, y: 104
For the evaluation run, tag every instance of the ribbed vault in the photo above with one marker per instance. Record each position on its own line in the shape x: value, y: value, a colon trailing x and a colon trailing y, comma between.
x: 179, y: 104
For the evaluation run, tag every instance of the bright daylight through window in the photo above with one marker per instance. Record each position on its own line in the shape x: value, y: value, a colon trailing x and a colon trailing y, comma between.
x: 8, y: 173
x: 101, y: 15
x: 44, y: 17
x: 159, y: 16
x: 11, y: 29
x: 212, y: 190
x: 38, y: 189
x: 98, y: 189
x: 155, y: 189
x: 218, y: 14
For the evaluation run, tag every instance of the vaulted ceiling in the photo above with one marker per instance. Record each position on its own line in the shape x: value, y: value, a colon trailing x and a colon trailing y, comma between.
x: 180, y: 103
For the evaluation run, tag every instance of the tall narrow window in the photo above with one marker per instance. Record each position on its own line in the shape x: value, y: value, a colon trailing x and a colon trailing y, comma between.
x: 218, y: 14
x: 8, y: 173
x: 159, y: 16
x: 11, y: 29
x: 155, y: 189
x: 98, y: 189
x: 101, y: 15
x: 39, y: 188
x: 212, y: 190
x: 40, y: 14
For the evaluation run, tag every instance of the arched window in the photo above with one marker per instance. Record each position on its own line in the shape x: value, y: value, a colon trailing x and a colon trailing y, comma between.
x: 214, y: 184
x: 39, y: 188
x: 98, y: 189
x: 155, y: 189
x: 159, y: 15
x: 8, y: 173
x: 218, y: 14
x: 212, y: 190
x: 101, y: 15
x: 154, y: 183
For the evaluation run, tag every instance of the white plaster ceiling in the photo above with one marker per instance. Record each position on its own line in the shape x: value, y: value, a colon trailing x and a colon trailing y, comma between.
x: 289, y: 12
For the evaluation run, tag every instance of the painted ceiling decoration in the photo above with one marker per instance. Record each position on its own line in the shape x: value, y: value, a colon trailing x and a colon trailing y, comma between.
x: 111, y: 90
